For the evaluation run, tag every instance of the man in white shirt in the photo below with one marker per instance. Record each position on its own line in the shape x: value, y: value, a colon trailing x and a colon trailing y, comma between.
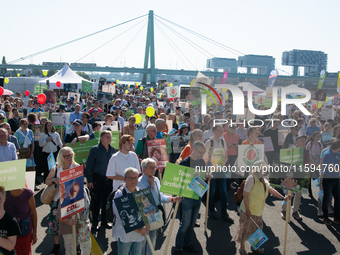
x: 122, y: 160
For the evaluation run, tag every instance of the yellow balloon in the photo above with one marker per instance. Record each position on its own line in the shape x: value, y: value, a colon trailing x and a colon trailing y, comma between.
x: 192, y: 82
x: 226, y: 96
x: 141, y: 87
x: 117, y: 81
x: 151, y: 89
x: 138, y: 118
x: 129, y: 85
x: 327, y: 99
x: 319, y: 104
x: 18, y: 74
x: 6, y: 80
x: 150, y: 111
x: 224, y: 90
x: 171, y: 84
x: 45, y: 73
x: 137, y: 83
x: 126, y: 92
x: 209, y: 103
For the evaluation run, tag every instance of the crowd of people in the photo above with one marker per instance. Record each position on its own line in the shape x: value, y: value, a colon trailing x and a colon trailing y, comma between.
x: 28, y: 132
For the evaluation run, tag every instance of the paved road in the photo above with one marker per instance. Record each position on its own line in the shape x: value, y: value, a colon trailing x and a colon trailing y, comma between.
x: 308, y: 236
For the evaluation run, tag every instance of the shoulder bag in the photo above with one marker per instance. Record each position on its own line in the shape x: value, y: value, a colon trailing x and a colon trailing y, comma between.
x: 48, y: 192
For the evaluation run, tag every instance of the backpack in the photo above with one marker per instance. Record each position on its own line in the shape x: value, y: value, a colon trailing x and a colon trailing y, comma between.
x: 212, y: 143
x: 238, y: 195
x: 110, y: 216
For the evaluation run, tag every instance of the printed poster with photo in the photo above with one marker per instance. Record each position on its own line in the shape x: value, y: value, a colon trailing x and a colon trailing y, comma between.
x: 74, y: 96
x: 318, y: 94
x: 336, y: 102
x: 51, y: 100
x: 37, y: 131
x: 249, y: 154
x: 61, y: 119
x: 157, y: 151
x: 190, y: 94
x: 178, y: 143
x: 113, y: 126
x: 72, y: 191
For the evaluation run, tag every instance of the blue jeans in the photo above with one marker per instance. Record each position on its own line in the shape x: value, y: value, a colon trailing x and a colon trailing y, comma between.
x: 190, y: 210
x: 152, y: 235
x: 222, y: 184
x: 330, y: 187
x: 135, y: 248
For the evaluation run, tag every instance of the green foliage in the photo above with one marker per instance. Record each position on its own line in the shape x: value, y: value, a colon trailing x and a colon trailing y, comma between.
x: 37, y: 72
x: 51, y: 72
x: 84, y: 75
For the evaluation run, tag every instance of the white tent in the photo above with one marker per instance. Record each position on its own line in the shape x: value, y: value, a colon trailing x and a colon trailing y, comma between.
x: 65, y: 76
x: 247, y: 86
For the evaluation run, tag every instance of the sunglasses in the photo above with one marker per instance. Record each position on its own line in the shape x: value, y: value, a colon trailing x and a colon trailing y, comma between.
x: 68, y: 156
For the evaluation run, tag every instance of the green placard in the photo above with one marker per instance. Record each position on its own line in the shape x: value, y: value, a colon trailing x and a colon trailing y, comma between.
x: 168, y: 144
x: 82, y: 151
x: 38, y: 89
x: 176, y: 180
x: 115, y: 138
x: 292, y: 155
x: 12, y: 174
x: 86, y: 86
x: 129, y: 112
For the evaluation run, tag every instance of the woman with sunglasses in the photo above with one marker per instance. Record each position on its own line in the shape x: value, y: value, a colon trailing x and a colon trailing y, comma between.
x: 252, y: 134
x: 65, y: 161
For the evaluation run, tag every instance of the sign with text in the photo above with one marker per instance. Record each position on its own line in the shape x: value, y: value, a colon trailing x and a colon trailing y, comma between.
x: 38, y: 89
x: 292, y: 155
x: 82, y: 151
x: 86, y: 86
x: 12, y: 174
x: 249, y: 154
x: 71, y: 191
x: 60, y: 119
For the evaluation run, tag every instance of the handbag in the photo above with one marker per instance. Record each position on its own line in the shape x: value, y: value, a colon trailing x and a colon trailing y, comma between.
x: 48, y: 192
x: 24, y: 223
x: 58, y: 148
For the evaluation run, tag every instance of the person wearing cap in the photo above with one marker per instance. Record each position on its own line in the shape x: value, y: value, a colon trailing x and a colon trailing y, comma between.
x: 37, y: 107
x: 256, y: 190
x: 88, y: 106
x: 142, y: 148
x: 77, y: 134
x: 95, y: 172
x: 76, y: 114
x: 95, y: 117
x: 69, y: 105
x: 123, y: 101
x: 95, y: 106
x: 122, y: 160
x: 123, y: 112
x: 138, y: 100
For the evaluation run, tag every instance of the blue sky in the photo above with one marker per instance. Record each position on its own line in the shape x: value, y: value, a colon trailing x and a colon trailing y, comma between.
x: 251, y: 27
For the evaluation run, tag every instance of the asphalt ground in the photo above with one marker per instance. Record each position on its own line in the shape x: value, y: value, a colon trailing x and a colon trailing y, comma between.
x: 306, y: 236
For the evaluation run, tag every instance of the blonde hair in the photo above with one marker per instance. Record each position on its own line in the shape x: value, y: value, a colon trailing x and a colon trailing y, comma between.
x: 60, y: 157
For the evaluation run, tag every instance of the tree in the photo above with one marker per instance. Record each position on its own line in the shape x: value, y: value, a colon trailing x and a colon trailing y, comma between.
x: 36, y: 72
x: 51, y: 72
x: 84, y: 75
x: 3, y: 70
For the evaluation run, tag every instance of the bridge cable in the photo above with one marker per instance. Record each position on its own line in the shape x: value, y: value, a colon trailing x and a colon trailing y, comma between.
x: 63, y: 44
x: 186, y: 39
x: 205, y: 38
x: 110, y: 40
x: 169, y: 40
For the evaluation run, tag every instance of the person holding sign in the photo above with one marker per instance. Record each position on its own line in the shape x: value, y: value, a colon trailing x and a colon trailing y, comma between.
x: 256, y: 190
x: 65, y: 161
x: 148, y: 180
x: 77, y: 135
x: 142, y: 148
x: 9, y: 228
x: 134, y: 241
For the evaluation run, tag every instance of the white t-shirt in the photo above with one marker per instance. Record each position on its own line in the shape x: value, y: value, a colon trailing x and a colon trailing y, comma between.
x: 118, y: 163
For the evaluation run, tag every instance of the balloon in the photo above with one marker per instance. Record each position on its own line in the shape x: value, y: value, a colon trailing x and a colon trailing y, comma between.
x: 314, y: 106
x: 171, y: 84
x: 6, y: 80
x: 41, y: 98
x: 141, y: 87
x: 226, y: 96
x: 151, y: 89
x: 319, y: 105
x: 27, y: 93
x: 224, y: 90
x: 58, y: 83
x: 137, y: 84
x: 112, y: 83
x: 129, y: 85
x: 45, y: 73
x: 209, y: 103
x: 138, y: 118
x: 150, y: 111
x: 18, y: 74
x: 171, y: 99
x: 117, y: 81
x: 327, y: 99
x: 126, y: 92
x: 1, y: 91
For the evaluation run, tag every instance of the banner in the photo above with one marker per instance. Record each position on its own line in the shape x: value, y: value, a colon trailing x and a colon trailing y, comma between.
x: 38, y: 89
x: 86, y: 86
x: 179, y: 142
x: 225, y: 76
x: 321, y: 78
x: 338, y: 84
x: 249, y: 154
x: 114, y: 141
x: 292, y: 155
x: 82, y: 151
x: 157, y: 151
x: 71, y: 191
x: 173, y: 91
x: 272, y: 77
x: 176, y: 181
x: 12, y: 174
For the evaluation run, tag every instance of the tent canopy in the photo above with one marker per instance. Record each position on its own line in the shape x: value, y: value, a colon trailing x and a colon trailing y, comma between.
x: 247, y: 86
x: 65, y: 76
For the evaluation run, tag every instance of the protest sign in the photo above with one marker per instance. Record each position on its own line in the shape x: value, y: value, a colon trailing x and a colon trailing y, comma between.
x: 199, y: 186
x: 179, y: 142
x: 260, y: 100
x: 113, y: 126
x: 168, y: 144
x: 176, y: 180
x: 173, y: 92
x: 71, y: 191
x: 336, y: 102
x: 318, y: 94
x: 30, y: 180
x: 109, y: 89
x: 51, y: 100
x: 292, y: 155
x: 327, y: 114
x: 104, y: 96
x: 82, y: 151
x: 51, y: 161
x: 169, y: 124
x: 86, y: 86
x: 73, y: 96
x: 249, y: 154
x: 115, y: 138
x: 38, y: 89
x: 257, y: 239
x: 268, y: 144
x: 282, y: 134
x: 37, y: 131
x: 129, y: 112
x: 138, y: 134
x: 326, y: 137
x: 12, y: 174
x: 157, y: 151
x: 60, y: 119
